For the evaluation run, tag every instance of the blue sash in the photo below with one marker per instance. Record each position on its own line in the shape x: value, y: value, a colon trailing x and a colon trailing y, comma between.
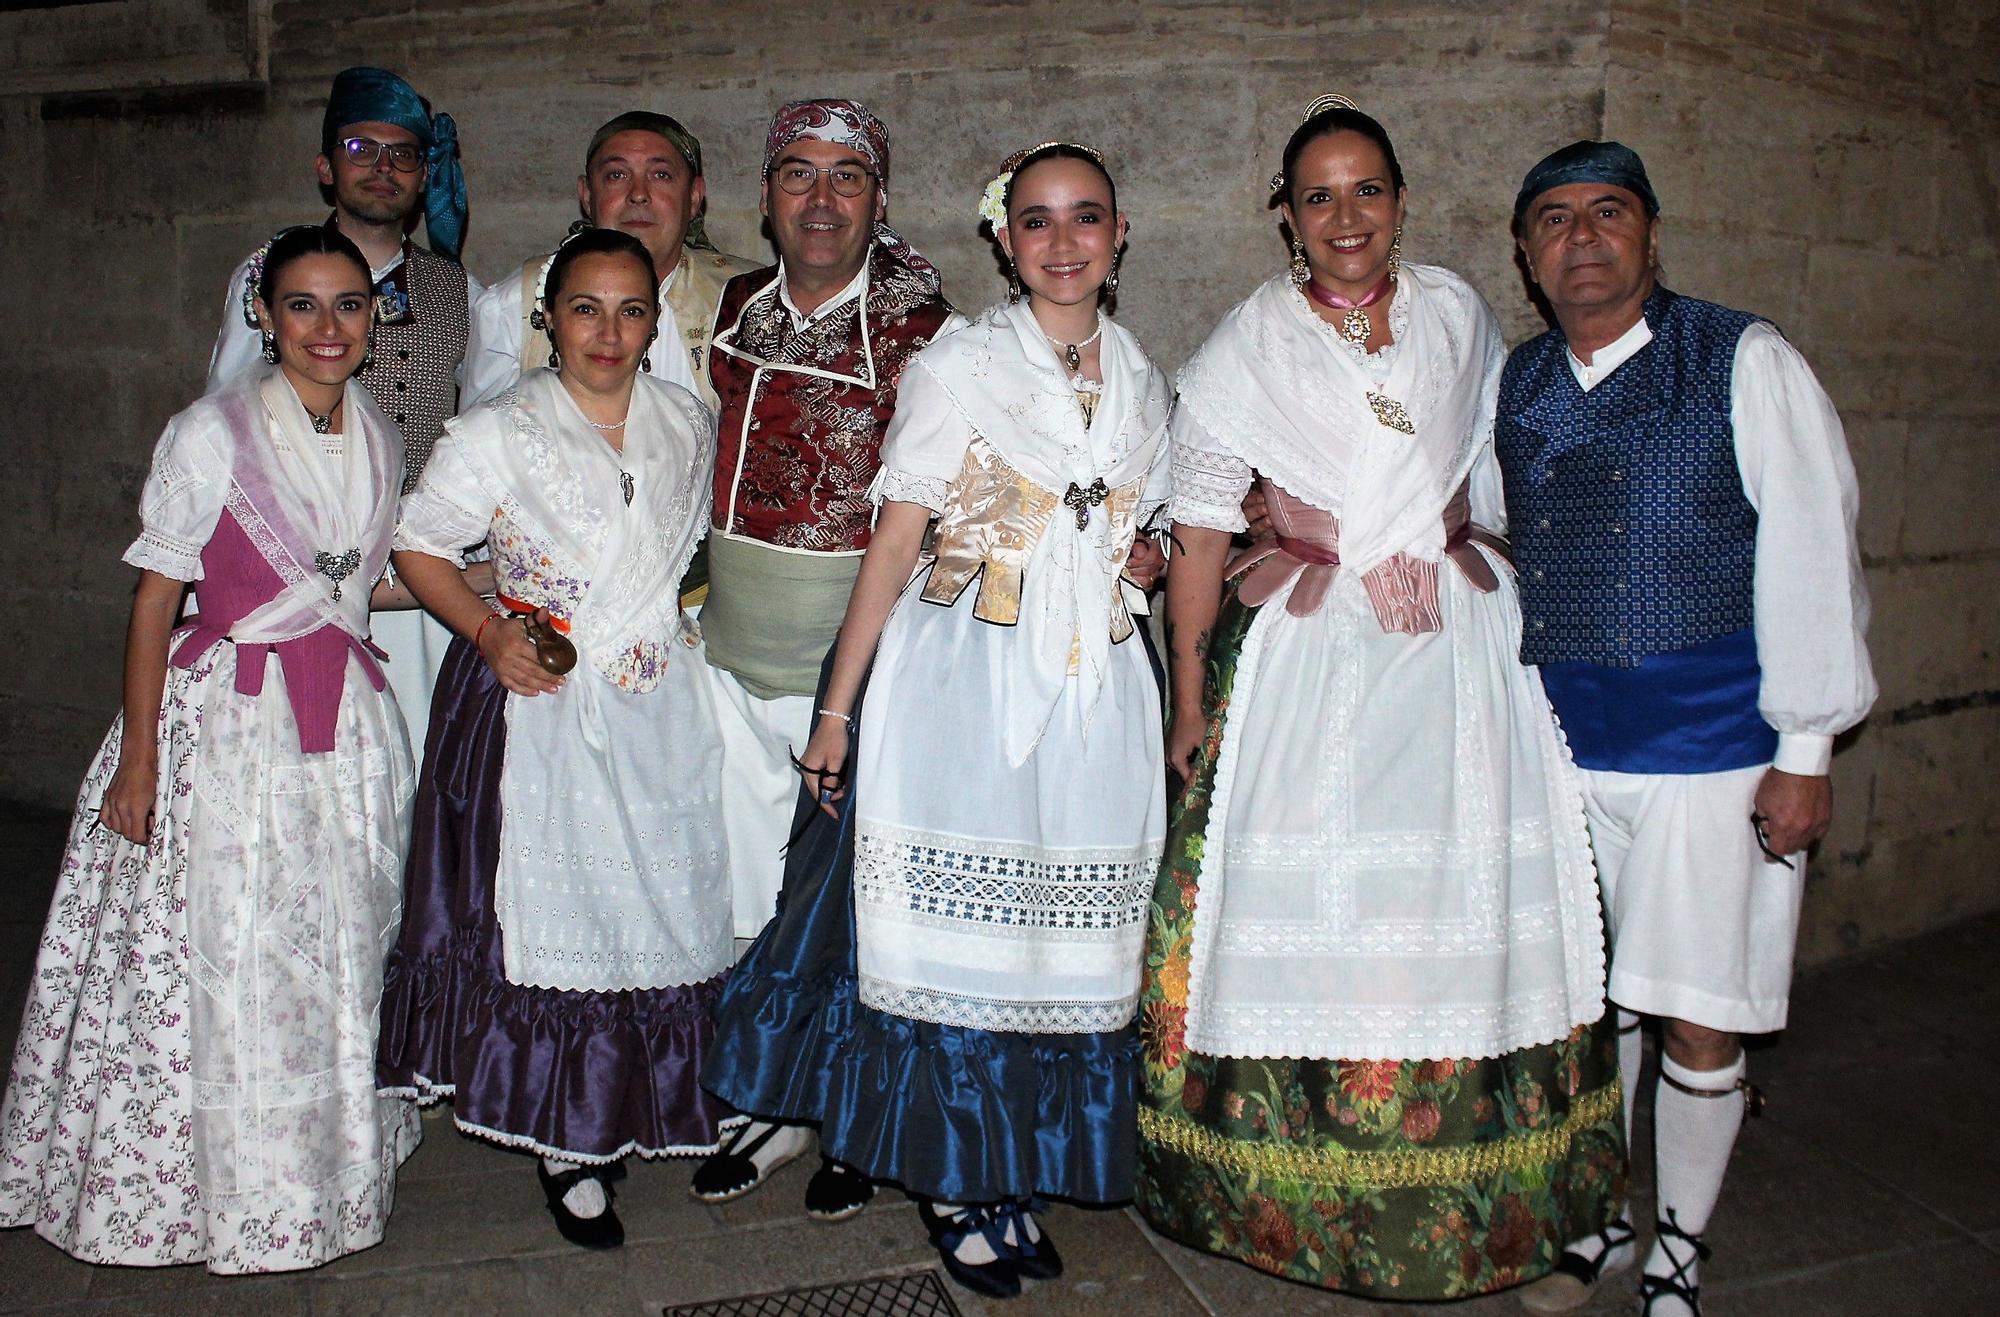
x: 1690, y: 710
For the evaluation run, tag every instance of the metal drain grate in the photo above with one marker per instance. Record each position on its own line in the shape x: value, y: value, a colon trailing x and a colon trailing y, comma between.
x: 918, y: 1294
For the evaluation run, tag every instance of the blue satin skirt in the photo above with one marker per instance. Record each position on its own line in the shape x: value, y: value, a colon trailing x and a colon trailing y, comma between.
x: 948, y: 1112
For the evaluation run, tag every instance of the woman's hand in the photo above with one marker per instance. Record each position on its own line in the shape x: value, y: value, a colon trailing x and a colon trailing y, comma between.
x: 1145, y: 563
x: 504, y: 644
x: 480, y: 577
x: 127, y: 808
x: 824, y: 764
x: 1184, y: 737
x: 1257, y: 512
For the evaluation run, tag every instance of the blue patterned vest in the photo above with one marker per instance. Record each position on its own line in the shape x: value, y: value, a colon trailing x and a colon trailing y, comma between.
x: 1624, y: 504
x: 1636, y: 546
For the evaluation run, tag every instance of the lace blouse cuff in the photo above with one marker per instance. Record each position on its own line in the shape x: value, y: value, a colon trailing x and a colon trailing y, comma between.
x: 906, y: 488
x: 1209, y: 489
x: 174, y: 559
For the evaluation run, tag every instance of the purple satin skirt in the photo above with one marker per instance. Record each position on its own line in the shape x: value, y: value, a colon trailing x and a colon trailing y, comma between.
x: 576, y: 1075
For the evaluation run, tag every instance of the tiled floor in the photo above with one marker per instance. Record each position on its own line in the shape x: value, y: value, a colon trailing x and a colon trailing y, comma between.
x: 1871, y: 1186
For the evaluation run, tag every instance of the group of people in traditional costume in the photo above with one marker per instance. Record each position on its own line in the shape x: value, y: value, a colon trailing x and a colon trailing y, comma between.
x: 798, y: 765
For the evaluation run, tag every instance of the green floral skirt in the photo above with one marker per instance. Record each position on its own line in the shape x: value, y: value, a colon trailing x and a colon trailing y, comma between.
x: 1421, y: 1179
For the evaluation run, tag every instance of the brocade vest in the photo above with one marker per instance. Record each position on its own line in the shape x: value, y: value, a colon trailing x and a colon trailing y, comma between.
x: 1625, y: 504
x: 412, y: 372
x: 803, y: 411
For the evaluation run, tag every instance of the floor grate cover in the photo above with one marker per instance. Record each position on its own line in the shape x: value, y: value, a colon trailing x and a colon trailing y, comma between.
x: 920, y: 1294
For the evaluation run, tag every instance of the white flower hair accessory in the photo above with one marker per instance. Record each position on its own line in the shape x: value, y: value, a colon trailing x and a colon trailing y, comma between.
x: 993, y: 202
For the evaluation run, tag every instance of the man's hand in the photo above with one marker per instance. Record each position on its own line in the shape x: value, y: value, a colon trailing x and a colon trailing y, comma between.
x: 1796, y: 810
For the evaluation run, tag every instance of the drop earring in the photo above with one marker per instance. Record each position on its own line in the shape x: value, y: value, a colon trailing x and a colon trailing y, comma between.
x: 1013, y: 283
x: 646, y: 357
x: 270, y: 348
x: 1396, y: 253
x: 1111, y: 280
x: 555, y: 359
x: 1301, y: 272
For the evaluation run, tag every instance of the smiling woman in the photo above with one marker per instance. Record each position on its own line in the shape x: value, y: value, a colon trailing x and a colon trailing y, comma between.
x: 564, y: 1017
x: 209, y: 979
x: 1375, y: 1052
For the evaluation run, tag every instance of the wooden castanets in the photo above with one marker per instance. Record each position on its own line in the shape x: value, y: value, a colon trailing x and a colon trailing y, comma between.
x: 553, y: 649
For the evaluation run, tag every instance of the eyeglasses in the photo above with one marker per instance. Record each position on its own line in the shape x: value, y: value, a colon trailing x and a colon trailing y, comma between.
x: 846, y: 180
x: 363, y: 152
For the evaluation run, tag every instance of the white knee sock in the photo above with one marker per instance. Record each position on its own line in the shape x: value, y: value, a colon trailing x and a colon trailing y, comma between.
x: 1631, y: 1056
x: 1692, y: 1139
x: 585, y: 1198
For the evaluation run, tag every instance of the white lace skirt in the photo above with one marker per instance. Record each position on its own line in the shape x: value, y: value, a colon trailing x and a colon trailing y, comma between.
x: 195, y: 1076
x: 1396, y: 863
x: 988, y: 895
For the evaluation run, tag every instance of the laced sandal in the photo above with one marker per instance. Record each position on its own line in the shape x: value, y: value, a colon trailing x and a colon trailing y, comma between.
x: 837, y: 1192
x: 998, y: 1279
x: 1575, y: 1278
x: 1036, y: 1259
x: 730, y: 1173
x: 604, y: 1230
x: 1654, y: 1288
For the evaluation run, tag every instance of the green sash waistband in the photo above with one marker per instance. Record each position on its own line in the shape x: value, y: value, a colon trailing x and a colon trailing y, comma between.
x: 772, y: 615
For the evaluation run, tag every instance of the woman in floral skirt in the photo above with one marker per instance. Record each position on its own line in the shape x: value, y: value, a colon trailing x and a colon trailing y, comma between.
x: 1372, y: 1011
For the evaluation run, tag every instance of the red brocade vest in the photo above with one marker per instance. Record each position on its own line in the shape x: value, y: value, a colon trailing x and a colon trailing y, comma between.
x: 803, y: 411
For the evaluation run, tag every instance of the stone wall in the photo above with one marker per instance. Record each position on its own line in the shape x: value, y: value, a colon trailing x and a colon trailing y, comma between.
x: 1829, y: 164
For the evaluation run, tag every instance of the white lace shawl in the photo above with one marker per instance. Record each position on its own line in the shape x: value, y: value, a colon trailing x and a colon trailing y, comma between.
x: 1276, y: 386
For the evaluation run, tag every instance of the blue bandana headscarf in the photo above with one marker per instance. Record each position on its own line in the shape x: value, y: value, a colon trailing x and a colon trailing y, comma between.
x: 1587, y: 162
x: 365, y: 95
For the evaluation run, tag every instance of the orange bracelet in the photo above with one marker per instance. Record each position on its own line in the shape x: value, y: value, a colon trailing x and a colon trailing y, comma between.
x: 476, y: 635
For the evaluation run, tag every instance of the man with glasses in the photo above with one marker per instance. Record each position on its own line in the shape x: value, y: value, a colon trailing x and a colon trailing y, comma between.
x: 382, y: 153
x: 641, y: 175
x: 805, y: 360
x: 1682, y: 506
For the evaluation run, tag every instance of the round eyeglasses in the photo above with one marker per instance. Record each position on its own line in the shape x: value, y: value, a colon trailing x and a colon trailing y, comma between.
x: 363, y: 152
x: 798, y: 179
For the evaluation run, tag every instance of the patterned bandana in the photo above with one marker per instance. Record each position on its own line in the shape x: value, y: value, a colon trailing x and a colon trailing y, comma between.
x: 1587, y: 162
x: 846, y: 123
x: 365, y: 95
x: 661, y: 125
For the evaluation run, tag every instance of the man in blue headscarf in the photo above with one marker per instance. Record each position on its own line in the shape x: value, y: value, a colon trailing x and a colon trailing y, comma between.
x: 1682, y: 507
x: 383, y: 153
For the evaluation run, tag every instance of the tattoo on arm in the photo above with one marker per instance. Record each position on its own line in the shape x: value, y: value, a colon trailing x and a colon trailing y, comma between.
x: 1201, y: 643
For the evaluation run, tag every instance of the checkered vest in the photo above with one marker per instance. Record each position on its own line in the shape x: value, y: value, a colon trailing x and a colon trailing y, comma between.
x: 1625, y: 506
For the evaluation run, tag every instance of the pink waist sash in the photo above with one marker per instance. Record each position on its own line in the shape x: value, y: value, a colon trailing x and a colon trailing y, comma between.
x: 315, y: 667
x: 1305, y: 543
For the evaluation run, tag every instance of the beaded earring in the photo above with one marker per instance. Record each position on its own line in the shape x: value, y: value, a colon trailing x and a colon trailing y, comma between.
x: 1396, y: 253
x: 1301, y: 272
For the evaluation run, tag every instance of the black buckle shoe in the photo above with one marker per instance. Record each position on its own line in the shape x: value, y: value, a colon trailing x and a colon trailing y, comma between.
x: 837, y: 1192
x: 604, y: 1230
x: 998, y: 1279
x: 1653, y: 1288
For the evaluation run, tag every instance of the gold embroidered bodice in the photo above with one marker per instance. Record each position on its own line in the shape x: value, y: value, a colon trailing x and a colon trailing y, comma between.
x: 993, y: 516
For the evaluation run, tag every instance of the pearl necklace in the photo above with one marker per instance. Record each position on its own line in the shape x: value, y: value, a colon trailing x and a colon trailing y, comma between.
x: 608, y: 425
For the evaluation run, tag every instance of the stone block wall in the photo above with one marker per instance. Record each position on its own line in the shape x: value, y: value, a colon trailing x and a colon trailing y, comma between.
x: 1831, y: 165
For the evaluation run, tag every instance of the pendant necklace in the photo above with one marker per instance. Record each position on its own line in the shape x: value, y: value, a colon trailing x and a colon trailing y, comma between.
x: 624, y: 476
x: 321, y: 424
x: 1072, y: 353
x: 1353, y: 325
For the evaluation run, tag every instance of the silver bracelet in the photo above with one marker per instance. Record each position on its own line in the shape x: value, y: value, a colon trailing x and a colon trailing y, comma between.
x: 847, y: 718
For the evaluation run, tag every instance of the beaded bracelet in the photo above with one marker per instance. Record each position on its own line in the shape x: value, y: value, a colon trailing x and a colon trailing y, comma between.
x: 847, y: 718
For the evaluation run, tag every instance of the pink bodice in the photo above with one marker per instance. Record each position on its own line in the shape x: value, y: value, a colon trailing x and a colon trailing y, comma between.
x: 236, y: 581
